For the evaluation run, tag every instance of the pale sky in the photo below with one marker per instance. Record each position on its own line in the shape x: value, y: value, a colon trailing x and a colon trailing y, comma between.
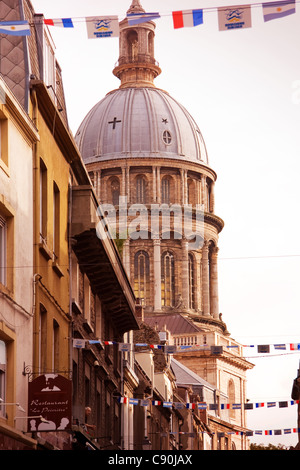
x: 243, y: 90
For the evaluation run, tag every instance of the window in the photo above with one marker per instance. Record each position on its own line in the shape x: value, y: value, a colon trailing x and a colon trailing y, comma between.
x: 115, y: 191
x: 7, y: 241
x: 56, y: 221
x: 167, y: 280
x: 87, y: 384
x: 43, y: 201
x: 167, y: 138
x: 2, y: 376
x: 140, y: 190
x: 43, y: 340
x: 55, y: 347
x: 3, y: 142
x: 191, y: 282
x: 142, y: 277
x: 191, y: 192
x: 49, y: 65
x: 3, y: 250
x: 165, y: 191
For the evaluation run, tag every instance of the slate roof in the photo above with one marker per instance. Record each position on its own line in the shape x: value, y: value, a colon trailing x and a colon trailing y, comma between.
x: 185, y: 376
x: 177, y: 324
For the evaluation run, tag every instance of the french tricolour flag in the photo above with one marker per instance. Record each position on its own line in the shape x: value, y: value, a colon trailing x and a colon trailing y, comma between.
x: 62, y: 22
x: 187, y: 18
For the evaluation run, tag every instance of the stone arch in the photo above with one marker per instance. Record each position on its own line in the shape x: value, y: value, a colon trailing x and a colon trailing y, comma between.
x: 141, y: 273
x: 167, y: 278
x: 141, y: 189
x: 151, y: 43
x: 191, y: 191
x: 132, y: 45
x: 167, y: 189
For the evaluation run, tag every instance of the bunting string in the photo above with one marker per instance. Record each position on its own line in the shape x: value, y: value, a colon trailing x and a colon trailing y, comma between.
x: 229, y: 18
x: 266, y: 432
x: 205, y: 406
x: 173, y: 349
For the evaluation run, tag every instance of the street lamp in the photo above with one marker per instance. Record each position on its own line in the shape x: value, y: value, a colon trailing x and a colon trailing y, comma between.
x: 29, y: 417
x: 2, y: 403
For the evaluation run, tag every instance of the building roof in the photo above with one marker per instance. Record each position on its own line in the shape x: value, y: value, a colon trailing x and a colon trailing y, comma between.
x: 177, y: 324
x: 139, y: 119
x: 140, y: 122
x: 185, y: 376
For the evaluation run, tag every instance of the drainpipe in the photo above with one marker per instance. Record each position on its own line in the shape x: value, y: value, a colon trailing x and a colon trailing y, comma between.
x: 70, y: 276
x: 36, y: 276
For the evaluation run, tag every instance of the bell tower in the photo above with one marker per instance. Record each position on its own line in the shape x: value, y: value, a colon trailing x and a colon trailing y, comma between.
x: 136, y: 65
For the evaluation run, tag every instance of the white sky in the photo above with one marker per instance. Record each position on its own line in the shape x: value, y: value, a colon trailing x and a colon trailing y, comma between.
x: 243, y: 89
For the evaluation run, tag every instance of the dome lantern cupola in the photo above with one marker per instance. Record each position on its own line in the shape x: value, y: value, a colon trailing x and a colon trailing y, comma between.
x: 136, y: 66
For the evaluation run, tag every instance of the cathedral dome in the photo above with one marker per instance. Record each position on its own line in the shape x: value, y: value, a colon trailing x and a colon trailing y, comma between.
x: 140, y: 122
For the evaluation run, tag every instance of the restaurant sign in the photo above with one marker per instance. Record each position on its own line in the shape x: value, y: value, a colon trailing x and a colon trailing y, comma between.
x: 49, y: 403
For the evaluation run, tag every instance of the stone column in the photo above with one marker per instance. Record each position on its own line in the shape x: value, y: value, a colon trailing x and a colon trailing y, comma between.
x: 154, y: 184
x: 98, y: 192
x: 212, y: 197
x: 214, y: 294
x: 205, y: 279
x: 185, y: 273
x: 157, y: 275
x: 123, y: 183
x: 126, y: 257
x: 158, y: 185
x: 128, y: 184
x: 203, y: 192
x: 182, y: 186
x: 198, y: 192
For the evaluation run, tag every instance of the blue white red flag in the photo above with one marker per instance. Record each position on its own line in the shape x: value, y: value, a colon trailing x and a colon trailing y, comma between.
x: 62, y: 22
x: 187, y: 18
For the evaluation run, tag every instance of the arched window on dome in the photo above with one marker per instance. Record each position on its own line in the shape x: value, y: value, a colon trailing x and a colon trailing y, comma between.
x: 141, y: 190
x: 151, y: 44
x: 142, y: 276
x: 167, y: 280
x: 165, y: 190
x: 191, y: 192
x: 114, y: 188
x: 191, y: 282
